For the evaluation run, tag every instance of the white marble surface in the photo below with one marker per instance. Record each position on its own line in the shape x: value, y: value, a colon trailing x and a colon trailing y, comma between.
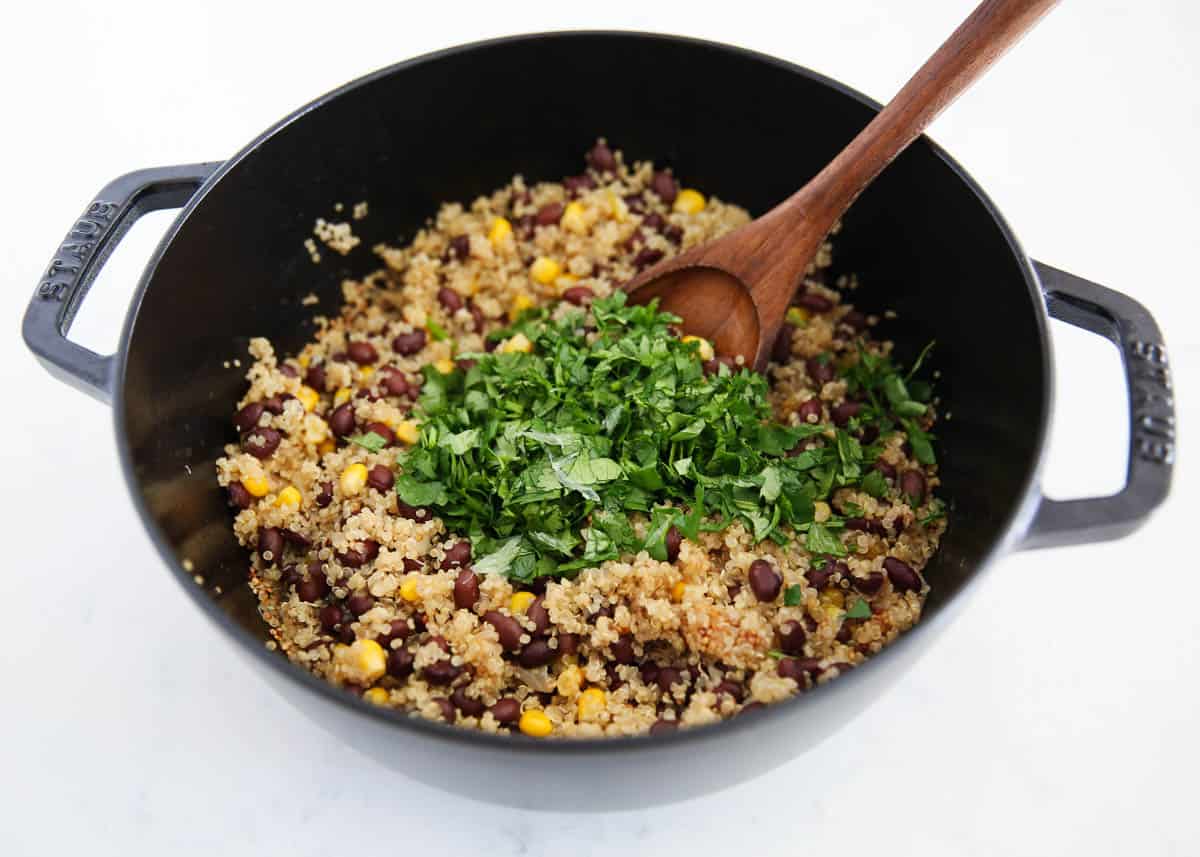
x: 1057, y: 716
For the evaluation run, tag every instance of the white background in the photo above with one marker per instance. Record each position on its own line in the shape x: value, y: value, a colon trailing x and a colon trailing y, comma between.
x: 1057, y: 716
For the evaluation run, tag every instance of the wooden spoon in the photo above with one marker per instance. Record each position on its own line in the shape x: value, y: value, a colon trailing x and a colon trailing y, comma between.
x: 734, y: 291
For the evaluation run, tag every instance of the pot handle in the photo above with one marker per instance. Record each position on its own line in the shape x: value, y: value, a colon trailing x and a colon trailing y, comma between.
x: 79, y: 259
x: 1129, y: 326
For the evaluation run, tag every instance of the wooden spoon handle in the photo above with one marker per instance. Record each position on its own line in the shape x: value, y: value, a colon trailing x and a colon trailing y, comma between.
x: 980, y: 40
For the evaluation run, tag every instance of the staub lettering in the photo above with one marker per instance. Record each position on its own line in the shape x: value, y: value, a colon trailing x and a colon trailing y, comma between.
x: 1150, y: 397
x: 68, y: 262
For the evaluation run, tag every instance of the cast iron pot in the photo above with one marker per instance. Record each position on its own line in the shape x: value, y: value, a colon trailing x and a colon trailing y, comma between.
x: 924, y: 239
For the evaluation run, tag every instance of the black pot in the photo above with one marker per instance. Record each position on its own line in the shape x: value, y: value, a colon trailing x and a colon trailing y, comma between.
x: 924, y: 238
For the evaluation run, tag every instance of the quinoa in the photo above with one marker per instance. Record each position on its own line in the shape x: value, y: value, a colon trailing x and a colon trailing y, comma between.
x: 364, y: 591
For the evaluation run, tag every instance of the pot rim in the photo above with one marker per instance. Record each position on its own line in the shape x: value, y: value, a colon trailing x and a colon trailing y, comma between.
x: 1017, y: 521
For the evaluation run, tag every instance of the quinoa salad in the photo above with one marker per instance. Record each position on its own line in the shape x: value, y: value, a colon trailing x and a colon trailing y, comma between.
x: 493, y: 493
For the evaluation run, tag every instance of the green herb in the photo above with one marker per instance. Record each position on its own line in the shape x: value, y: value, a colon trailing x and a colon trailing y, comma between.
x: 370, y: 441
x: 859, y: 610
x: 436, y: 330
x: 936, y: 510
x: 775, y: 653
x: 793, y: 596
x: 541, y: 458
x: 875, y: 484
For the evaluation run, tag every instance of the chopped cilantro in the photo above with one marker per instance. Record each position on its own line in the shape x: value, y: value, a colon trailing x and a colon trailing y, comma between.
x: 793, y: 596
x: 370, y: 441
x: 436, y: 330
x: 859, y: 610
x: 541, y: 457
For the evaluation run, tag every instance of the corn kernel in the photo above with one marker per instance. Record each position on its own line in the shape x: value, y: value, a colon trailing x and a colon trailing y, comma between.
x: 327, y: 446
x: 256, y: 485
x: 520, y: 601
x: 545, y: 270
x: 408, y: 590
x: 353, y: 479
x: 705, y: 348
x: 303, y: 360
x: 341, y: 396
x: 289, y: 497
x: 308, y: 397
x: 821, y: 511
x: 591, y: 704
x: 445, y: 365
x: 832, y: 612
x: 535, y: 723
x: 798, y: 315
x: 363, y: 661
x: 520, y: 303
x: 574, y: 218
x: 569, y: 681
x: 366, y: 372
x: 678, y: 591
x: 500, y: 231
x: 689, y: 201
x: 831, y: 595
x: 617, y: 207
x: 518, y: 343
x: 407, y: 431
x: 376, y: 696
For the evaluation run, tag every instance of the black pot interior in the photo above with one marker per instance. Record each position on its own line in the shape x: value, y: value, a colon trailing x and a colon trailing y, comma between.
x: 736, y: 125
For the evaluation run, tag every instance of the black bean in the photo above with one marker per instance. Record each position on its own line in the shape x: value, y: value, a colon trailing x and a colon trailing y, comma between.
x: 539, y: 616
x: 359, y: 603
x: 646, y: 257
x: 654, y: 221
x: 635, y: 202
x: 325, y: 495
x: 664, y: 184
x: 869, y: 434
x: 667, y: 678
x: 362, y: 353
x: 239, y: 496
x: 886, y: 469
x: 575, y: 185
x: 460, y: 246
x: 352, y: 558
x: 820, y: 371
x: 549, y: 214
x: 793, y: 669
x: 406, y: 344
x: 818, y: 578
x: 446, y: 707
x: 450, y: 300
x: 457, y: 554
x: 578, y: 295
x: 394, y: 382
x: 398, y: 629
x: 568, y: 644
x: 810, y: 408
x: 381, y: 478
x: 247, y: 417
x: 400, y: 663
x: 601, y: 158
x: 855, y: 320
x: 536, y: 654
x: 288, y: 370
x: 508, y: 629
x: 383, y: 430
x: 781, y: 350
x: 844, y: 412
x: 468, y: 705
x: 649, y: 673
x: 330, y: 616
x: 314, y: 587
x: 674, y: 234
x: 466, y: 589
x: 792, y: 637
x: 765, y: 581
x: 814, y: 302
x: 411, y: 564
x: 732, y: 688
x: 672, y: 541
x: 270, y: 541
x: 341, y: 421
x: 912, y: 486
x: 506, y: 710
x: 477, y: 317
x: 752, y: 708
x: 441, y: 672
x: 868, y: 585
x: 663, y: 726
x: 262, y: 442
x: 622, y: 649
x: 845, y: 633
x: 901, y: 574
x: 413, y: 513
x: 370, y: 549
x: 315, y: 377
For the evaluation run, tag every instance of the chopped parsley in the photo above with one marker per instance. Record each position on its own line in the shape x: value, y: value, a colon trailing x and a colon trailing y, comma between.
x: 541, y: 458
x: 859, y: 610
x: 436, y: 330
x: 793, y: 596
